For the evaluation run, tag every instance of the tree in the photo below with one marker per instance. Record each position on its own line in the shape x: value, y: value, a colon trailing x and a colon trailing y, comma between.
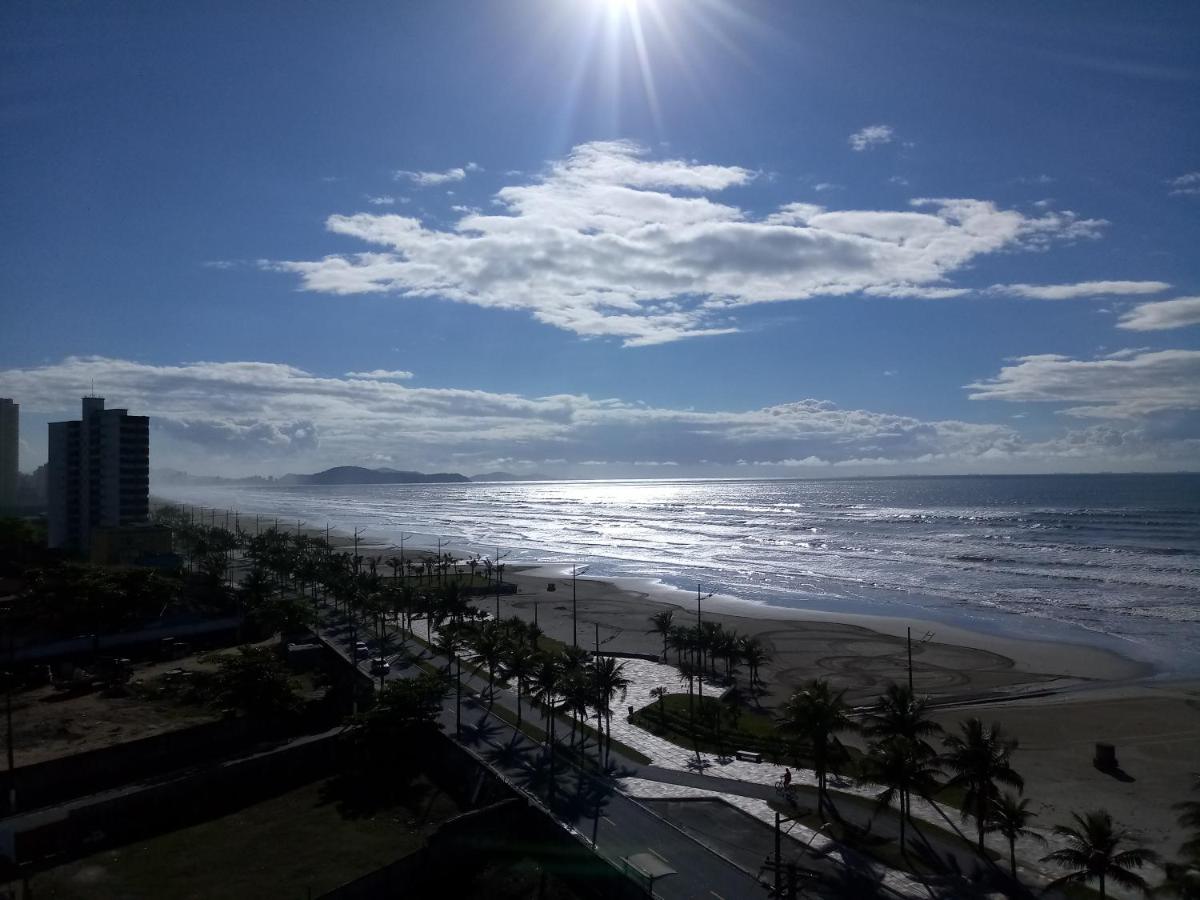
x: 754, y: 654
x: 899, y: 755
x: 979, y: 759
x: 900, y: 713
x: 661, y: 623
x: 1183, y: 876
x: 815, y: 715
x: 255, y: 681
x: 903, y: 767
x: 519, y: 663
x: 607, y: 680
x: 658, y: 694
x: 1092, y: 853
x: 1010, y: 817
x: 489, y: 649
x: 547, y: 683
x: 449, y: 643
x: 1189, y: 817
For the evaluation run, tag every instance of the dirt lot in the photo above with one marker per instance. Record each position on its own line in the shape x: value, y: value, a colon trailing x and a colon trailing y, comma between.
x: 48, y: 723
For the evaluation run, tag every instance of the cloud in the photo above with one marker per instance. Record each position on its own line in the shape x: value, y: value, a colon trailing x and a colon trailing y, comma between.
x: 1163, y: 314
x: 1187, y: 185
x: 1078, y: 289
x: 611, y: 243
x: 429, y: 179
x: 871, y: 136
x: 243, y: 417
x: 1122, y: 385
x: 382, y: 375
x: 382, y: 200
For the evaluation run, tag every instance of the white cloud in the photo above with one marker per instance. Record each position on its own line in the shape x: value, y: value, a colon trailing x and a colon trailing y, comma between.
x: 382, y: 375
x: 242, y: 417
x: 1186, y: 185
x: 1162, y: 315
x: 1078, y: 289
x: 429, y: 179
x: 608, y: 242
x: 823, y: 187
x: 1122, y: 385
x: 871, y: 136
x: 382, y: 200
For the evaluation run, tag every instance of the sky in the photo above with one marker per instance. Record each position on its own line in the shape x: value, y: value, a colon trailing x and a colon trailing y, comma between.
x: 608, y: 238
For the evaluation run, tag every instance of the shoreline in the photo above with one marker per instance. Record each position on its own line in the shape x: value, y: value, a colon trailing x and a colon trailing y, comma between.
x: 1058, y: 663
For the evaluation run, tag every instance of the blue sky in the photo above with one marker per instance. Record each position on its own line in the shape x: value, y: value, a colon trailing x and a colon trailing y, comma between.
x: 609, y: 237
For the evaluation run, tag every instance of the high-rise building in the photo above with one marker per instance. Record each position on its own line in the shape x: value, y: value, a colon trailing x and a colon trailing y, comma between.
x: 9, y: 443
x: 98, y: 474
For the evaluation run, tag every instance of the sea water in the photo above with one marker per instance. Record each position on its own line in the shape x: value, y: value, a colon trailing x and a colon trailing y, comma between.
x: 1109, y: 560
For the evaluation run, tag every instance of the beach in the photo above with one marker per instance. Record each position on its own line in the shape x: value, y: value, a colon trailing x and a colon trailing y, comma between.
x: 1057, y: 699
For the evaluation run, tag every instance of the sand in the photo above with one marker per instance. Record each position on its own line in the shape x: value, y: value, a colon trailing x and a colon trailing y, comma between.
x: 1058, y: 699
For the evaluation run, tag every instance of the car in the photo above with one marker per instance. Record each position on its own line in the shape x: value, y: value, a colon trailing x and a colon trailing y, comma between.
x: 380, y: 666
x: 361, y: 649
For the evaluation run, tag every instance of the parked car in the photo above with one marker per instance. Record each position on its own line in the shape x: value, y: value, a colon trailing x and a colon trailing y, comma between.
x: 380, y: 666
x: 361, y: 650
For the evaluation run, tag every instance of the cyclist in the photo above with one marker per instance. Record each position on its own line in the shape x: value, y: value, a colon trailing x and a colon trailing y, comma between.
x: 787, y: 780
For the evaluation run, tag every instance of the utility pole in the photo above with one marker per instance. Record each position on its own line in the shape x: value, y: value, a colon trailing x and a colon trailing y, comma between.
x: 597, y: 624
x: 910, y: 680
x: 574, y: 611
x: 778, y: 857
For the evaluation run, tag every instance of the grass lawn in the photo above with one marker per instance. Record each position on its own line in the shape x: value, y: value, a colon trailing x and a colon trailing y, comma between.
x: 858, y: 809
x: 739, y: 728
x: 309, y: 839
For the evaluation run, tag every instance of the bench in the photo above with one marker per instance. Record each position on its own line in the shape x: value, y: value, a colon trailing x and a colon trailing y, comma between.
x: 749, y: 756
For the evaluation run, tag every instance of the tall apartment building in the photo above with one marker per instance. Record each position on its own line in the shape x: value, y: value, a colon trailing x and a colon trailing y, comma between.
x: 98, y: 474
x: 9, y: 442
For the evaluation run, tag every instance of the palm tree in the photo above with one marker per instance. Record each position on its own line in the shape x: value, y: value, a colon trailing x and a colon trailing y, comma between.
x: 900, y: 713
x: 658, y: 694
x: 577, y: 697
x: 449, y: 643
x: 902, y: 766
x: 661, y: 624
x: 1092, y: 853
x: 979, y: 759
x: 547, y: 683
x: 608, y: 680
x: 1189, y: 817
x: 489, y: 649
x: 1182, y: 880
x: 1010, y: 817
x: 815, y: 714
x: 518, y: 663
x: 754, y: 654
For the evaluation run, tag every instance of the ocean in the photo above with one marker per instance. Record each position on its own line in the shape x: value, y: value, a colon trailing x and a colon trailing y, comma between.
x: 1106, y: 560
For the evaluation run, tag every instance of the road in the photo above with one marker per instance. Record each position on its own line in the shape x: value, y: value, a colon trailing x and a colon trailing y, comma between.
x: 614, y: 825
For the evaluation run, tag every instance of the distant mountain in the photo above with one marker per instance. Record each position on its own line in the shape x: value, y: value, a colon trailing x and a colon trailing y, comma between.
x: 359, y: 475
x: 509, y: 476
x: 336, y: 475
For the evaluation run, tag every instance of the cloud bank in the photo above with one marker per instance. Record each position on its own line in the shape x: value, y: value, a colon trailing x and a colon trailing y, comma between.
x: 1128, y: 384
x: 611, y: 243
x: 244, y: 417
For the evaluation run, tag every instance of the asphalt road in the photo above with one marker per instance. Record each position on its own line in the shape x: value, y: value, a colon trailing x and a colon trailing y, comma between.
x: 613, y: 824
